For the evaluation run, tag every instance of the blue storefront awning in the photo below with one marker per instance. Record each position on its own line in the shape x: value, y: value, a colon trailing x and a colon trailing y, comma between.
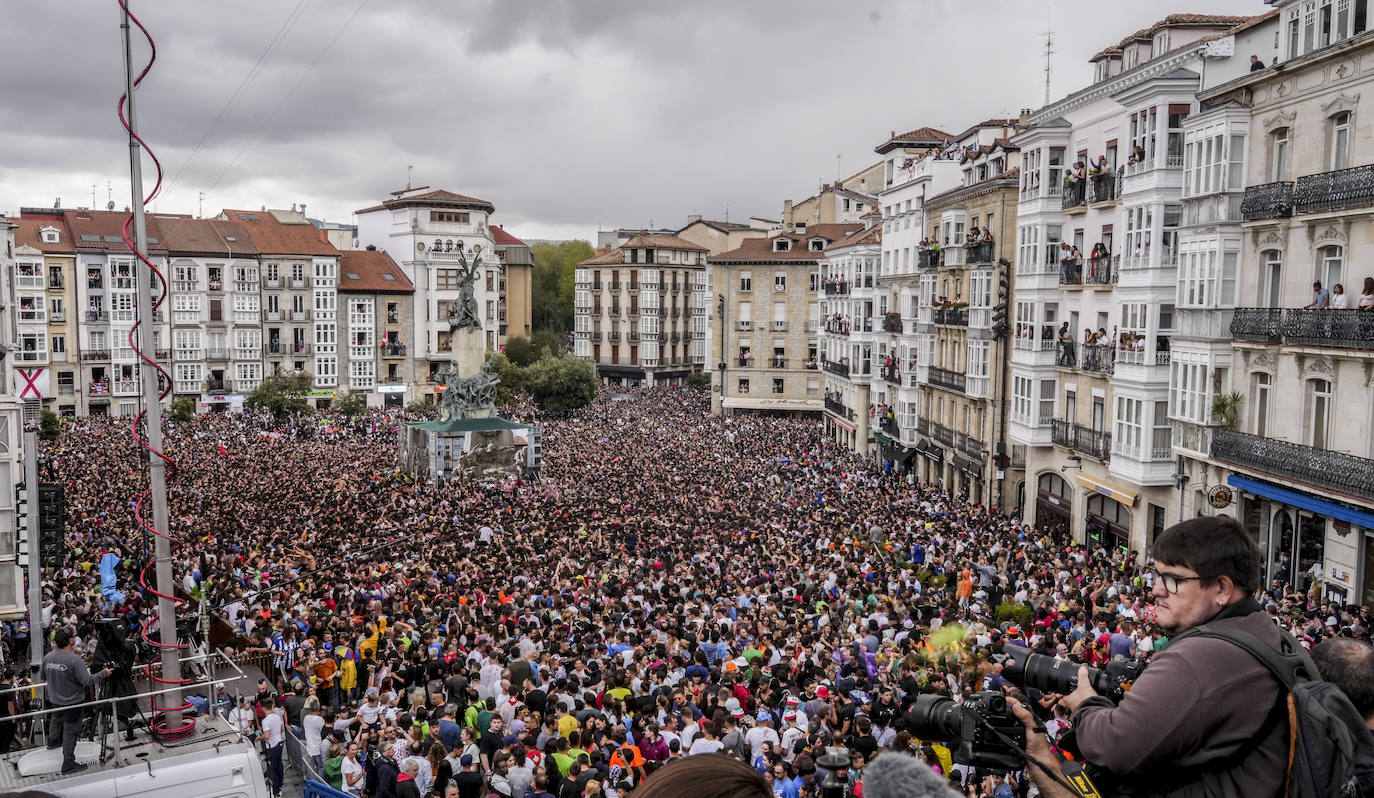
x: 1316, y: 504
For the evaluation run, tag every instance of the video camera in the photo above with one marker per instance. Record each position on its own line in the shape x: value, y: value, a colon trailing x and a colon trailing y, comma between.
x: 982, y: 731
x: 1053, y: 675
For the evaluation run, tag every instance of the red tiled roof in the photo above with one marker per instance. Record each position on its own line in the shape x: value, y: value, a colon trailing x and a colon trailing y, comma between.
x: 661, y: 242
x: 271, y: 237
x: 1250, y: 23
x: 921, y: 135
x: 873, y: 235
x: 1175, y: 20
x: 501, y: 237
x: 372, y: 268
x: 1001, y: 123
x: 761, y: 249
x: 108, y: 228
x: 606, y: 257
x: 205, y: 237
x: 438, y: 198
x: 27, y: 229
x: 724, y: 227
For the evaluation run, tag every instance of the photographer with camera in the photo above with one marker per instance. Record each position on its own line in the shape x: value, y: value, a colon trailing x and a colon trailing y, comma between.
x: 1206, y: 717
x: 67, y: 677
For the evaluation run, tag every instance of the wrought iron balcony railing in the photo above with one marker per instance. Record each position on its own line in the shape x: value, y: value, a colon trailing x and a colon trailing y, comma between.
x: 1097, y: 444
x: 942, y: 434
x: 1100, y: 359
x: 836, y: 287
x: 1104, y: 187
x: 836, y: 367
x: 944, y: 378
x: 955, y: 316
x: 1075, y: 195
x: 1267, y: 201
x: 1331, y: 191
x: 1257, y: 324
x: 1338, y: 329
x: 892, y: 324
x: 1337, y: 471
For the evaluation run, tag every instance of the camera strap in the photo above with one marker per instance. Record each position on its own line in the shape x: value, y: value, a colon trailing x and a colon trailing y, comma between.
x: 1075, y: 778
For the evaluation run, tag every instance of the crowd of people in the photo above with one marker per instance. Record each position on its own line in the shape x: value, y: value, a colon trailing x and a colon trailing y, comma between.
x: 678, y: 584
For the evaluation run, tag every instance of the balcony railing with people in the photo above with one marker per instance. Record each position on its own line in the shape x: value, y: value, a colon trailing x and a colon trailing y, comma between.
x: 1075, y: 194
x: 836, y: 406
x: 1104, y: 187
x: 892, y: 322
x: 1070, y: 271
x: 891, y: 372
x: 837, y: 367
x: 887, y: 422
x: 1102, y: 270
x: 944, y: 378
x: 394, y: 349
x: 953, y: 314
x: 979, y: 251
x: 928, y: 259
x: 1267, y: 201
x: 1336, y: 471
x: 834, y: 287
x: 1332, y: 191
x: 1067, y: 354
x: 1337, y: 329
x: 837, y: 326
x: 1097, y: 444
x: 1098, y: 358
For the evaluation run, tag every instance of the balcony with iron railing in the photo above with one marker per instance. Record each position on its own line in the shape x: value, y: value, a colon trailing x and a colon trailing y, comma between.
x: 949, y: 380
x: 892, y: 322
x: 1075, y: 195
x: 393, y: 350
x: 1102, y: 271
x: 835, y: 287
x: 1267, y: 201
x: 888, y: 424
x: 838, y: 408
x: 1096, y: 444
x: 614, y: 336
x: 1334, y: 191
x: 923, y: 426
x: 1104, y: 187
x: 836, y: 367
x: 216, y: 386
x: 969, y: 445
x: 928, y: 259
x: 942, y: 434
x: 957, y: 317
x: 891, y: 373
x: 978, y: 252
x: 1071, y: 272
x: 1100, y: 359
x: 837, y: 326
x: 1282, y: 461
x: 1335, y: 329
x: 217, y: 354
x: 88, y: 355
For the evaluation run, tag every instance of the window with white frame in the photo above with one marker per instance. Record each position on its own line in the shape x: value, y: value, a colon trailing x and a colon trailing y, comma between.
x: 188, y: 377
x: 1139, y: 231
x: 1339, y: 141
x: 1262, y: 385
x: 1021, y: 399
x: 1280, y: 154
x: 1271, y: 278
x: 187, y: 344
x: 1317, y: 423
x: 247, y: 376
x: 1127, y: 426
x: 1047, y: 394
x: 1197, y: 273
x: 1161, y: 436
x: 1329, y: 265
x: 746, y: 281
x: 1188, y: 392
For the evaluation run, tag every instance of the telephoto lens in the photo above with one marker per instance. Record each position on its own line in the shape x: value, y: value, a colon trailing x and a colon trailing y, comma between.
x: 1053, y: 675
x: 981, y: 732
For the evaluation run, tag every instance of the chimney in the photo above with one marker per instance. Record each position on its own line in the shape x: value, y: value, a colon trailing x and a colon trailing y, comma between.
x: 693, y: 217
x: 787, y: 212
x: 302, y: 209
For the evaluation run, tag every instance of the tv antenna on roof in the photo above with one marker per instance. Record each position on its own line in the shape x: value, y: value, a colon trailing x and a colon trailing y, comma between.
x: 1049, y: 50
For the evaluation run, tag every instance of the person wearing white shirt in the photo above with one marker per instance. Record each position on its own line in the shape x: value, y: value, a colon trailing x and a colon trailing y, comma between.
x: 273, y: 735
x: 354, y: 776
x: 313, y: 727
x: 761, y: 733
x: 241, y: 717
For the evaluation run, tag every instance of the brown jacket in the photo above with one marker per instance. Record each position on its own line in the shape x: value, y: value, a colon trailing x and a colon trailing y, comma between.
x: 1183, y: 727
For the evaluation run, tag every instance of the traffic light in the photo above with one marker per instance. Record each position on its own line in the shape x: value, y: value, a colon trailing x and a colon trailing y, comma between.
x: 1000, y: 327
x: 52, y: 519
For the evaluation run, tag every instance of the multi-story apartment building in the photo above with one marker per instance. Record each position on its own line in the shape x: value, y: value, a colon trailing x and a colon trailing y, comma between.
x: 43, y: 274
x: 106, y: 301
x: 515, y: 282
x: 1271, y: 390
x: 718, y: 236
x: 852, y: 342
x: 295, y: 263
x: 425, y: 232
x: 842, y: 202
x: 379, y: 303
x: 638, y: 310
x: 12, y: 600
x: 1097, y: 249
x: 215, y: 306
x: 765, y: 332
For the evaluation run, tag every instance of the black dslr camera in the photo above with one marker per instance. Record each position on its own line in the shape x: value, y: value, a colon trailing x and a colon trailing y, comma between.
x: 982, y: 731
x: 1052, y: 675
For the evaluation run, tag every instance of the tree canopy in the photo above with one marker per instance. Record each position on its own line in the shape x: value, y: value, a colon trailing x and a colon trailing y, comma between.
x: 282, y: 394
x: 551, y: 294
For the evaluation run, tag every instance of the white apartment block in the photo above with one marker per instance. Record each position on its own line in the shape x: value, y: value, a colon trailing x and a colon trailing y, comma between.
x: 425, y: 232
x: 12, y: 599
x: 1271, y: 397
x: 639, y: 310
x: 1096, y: 271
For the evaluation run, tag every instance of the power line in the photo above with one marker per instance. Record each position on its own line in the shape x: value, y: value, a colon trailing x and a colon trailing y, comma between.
x: 286, y: 26
x: 282, y: 104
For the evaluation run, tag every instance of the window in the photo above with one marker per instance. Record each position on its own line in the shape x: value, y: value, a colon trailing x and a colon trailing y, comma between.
x: 448, y: 216
x: 778, y: 383
x: 1161, y: 438
x: 1329, y: 262
x: 1188, y: 392
x: 446, y: 279
x: 1279, y: 155
x: 779, y: 281
x: 1318, y: 414
x: 1272, y: 275
x: 746, y: 281
x: 1021, y: 399
x: 1126, y: 434
x: 1260, y: 418
x: 1340, y: 141
x: 1160, y: 45
x: 743, y: 386
x: 781, y: 244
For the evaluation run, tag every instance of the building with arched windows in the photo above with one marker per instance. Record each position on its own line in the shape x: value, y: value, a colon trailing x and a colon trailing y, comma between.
x: 1270, y: 390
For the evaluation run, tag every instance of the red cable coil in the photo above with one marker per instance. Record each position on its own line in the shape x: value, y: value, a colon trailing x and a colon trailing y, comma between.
x: 159, y: 727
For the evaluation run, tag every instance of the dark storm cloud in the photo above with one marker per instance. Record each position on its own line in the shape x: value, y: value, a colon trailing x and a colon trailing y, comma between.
x: 565, y: 113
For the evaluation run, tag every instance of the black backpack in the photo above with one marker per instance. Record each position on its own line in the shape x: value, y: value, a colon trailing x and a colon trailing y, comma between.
x: 1331, y: 750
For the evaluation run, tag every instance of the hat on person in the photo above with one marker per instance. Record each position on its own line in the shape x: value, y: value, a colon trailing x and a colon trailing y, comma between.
x: 822, y: 692
x: 793, y: 701
x: 790, y: 714
x: 763, y: 717
x: 737, y: 713
x: 465, y: 760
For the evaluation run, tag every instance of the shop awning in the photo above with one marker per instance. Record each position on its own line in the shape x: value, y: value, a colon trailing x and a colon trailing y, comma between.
x: 967, y: 464
x: 1307, y: 501
x: 747, y: 403
x: 842, y: 424
x: 1107, y: 489
x: 885, y: 440
x: 930, y: 451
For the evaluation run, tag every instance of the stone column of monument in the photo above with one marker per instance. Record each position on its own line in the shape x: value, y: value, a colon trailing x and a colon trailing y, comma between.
x: 469, y: 385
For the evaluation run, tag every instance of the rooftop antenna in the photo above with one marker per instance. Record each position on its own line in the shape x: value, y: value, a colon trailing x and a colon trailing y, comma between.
x: 727, y: 213
x: 109, y: 192
x: 1049, y: 50
x: 838, y: 171
x: 200, y: 208
x: 93, y: 195
x: 410, y: 167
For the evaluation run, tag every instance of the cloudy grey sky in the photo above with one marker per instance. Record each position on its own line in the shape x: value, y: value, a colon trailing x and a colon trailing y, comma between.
x: 566, y: 114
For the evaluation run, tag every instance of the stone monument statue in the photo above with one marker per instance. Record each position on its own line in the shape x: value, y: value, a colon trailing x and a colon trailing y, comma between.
x: 469, y: 388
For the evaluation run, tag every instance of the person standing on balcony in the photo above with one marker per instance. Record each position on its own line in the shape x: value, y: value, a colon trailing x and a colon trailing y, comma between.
x: 1340, y: 300
x: 1367, y: 295
x: 1321, y: 298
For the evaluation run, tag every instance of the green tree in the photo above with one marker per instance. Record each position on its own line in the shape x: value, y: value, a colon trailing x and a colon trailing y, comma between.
x: 182, y: 409
x: 699, y: 379
x: 561, y: 384
x: 511, y: 375
x: 521, y: 351
x: 555, y: 341
x: 49, y: 425
x: 350, y: 403
x: 424, y: 404
x: 281, y: 394
x: 551, y: 294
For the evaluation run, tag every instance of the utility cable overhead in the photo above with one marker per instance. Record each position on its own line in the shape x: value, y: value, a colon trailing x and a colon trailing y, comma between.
x: 284, y: 100
x: 286, y: 26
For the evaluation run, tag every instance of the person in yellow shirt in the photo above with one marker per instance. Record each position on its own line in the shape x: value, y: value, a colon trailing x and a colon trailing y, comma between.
x: 348, y: 674
x: 567, y: 723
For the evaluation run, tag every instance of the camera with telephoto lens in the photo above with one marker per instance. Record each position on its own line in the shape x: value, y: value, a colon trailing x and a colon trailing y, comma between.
x: 1053, y: 675
x: 982, y: 731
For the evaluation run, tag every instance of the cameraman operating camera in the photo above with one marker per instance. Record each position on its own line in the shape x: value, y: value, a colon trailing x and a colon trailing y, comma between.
x: 1206, y: 717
